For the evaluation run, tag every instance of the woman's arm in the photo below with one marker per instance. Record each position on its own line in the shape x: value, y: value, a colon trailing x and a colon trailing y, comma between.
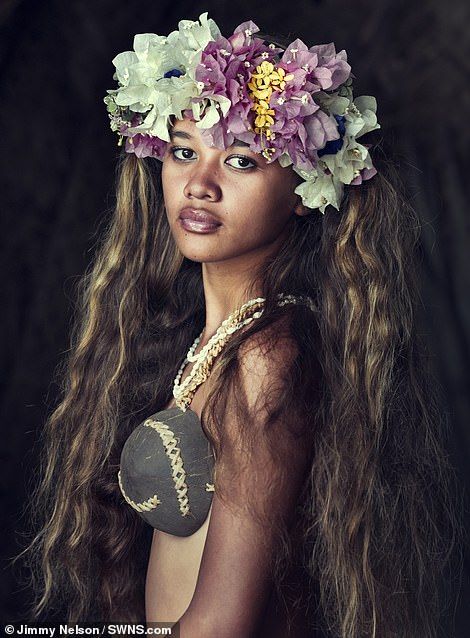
x: 234, y: 582
x: 235, y: 576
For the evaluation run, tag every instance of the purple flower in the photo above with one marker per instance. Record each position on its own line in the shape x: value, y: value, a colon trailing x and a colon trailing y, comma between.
x: 146, y: 146
x: 300, y: 127
x: 141, y: 144
x: 318, y: 68
x: 224, y: 70
x: 335, y: 63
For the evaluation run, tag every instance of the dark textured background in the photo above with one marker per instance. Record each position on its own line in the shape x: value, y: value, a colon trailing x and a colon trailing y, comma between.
x: 57, y: 173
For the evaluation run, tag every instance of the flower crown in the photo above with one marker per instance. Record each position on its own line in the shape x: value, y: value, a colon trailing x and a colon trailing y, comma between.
x: 294, y: 105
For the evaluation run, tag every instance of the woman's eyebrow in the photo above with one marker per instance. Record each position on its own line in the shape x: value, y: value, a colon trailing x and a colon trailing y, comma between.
x: 239, y: 143
x: 182, y: 134
x: 188, y: 136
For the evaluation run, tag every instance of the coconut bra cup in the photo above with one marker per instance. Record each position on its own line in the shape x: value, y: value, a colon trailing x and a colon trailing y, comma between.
x: 166, y: 471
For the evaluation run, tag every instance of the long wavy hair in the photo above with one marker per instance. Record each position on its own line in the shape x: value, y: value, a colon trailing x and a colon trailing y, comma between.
x: 377, y: 516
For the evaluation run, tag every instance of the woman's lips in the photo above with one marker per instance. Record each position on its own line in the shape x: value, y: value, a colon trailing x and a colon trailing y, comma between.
x: 198, y: 221
x: 198, y: 226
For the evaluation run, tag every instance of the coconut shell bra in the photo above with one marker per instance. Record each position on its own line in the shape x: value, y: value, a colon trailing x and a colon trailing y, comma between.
x: 166, y: 471
x: 167, y: 464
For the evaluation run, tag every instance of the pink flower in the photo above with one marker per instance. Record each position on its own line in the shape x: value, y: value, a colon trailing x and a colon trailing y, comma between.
x: 146, y: 146
x: 300, y: 127
x: 225, y: 69
x: 141, y: 144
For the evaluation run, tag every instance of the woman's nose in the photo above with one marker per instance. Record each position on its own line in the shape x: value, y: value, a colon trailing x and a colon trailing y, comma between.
x: 203, y: 184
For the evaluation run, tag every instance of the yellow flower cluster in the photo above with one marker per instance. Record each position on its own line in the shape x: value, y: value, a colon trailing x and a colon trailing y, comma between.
x: 262, y: 83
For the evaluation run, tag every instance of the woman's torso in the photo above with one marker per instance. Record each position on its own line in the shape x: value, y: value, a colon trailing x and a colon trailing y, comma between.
x: 174, y: 563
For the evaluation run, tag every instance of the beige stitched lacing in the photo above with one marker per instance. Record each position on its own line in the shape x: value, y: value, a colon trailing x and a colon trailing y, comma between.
x: 174, y: 454
x: 145, y: 506
x: 152, y: 502
x: 178, y: 472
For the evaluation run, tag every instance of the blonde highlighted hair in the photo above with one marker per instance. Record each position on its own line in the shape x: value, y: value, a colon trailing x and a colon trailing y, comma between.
x: 378, y: 519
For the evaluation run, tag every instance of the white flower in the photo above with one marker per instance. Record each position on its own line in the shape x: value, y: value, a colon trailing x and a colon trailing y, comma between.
x: 140, y: 73
x: 212, y: 108
x: 319, y: 190
x: 332, y: 103
x: 350, y: 158
x: 285, y: 160
x: 361, y: 116
x: 197, y: 33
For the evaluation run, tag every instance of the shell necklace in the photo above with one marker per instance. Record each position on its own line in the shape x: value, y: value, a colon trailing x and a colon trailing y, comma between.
x: 204, y: 360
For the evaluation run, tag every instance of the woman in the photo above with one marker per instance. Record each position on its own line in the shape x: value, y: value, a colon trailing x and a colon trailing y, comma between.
x: 252, y: 228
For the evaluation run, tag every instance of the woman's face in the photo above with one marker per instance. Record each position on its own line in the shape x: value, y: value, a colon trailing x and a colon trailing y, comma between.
x: 251, y: 200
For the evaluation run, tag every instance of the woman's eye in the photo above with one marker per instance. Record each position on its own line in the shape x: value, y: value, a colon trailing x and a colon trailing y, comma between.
x: 241, y: 162
x: 185, y: 153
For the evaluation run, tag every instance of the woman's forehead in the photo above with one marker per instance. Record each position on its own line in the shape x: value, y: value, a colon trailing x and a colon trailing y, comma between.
x: 185, y: 122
